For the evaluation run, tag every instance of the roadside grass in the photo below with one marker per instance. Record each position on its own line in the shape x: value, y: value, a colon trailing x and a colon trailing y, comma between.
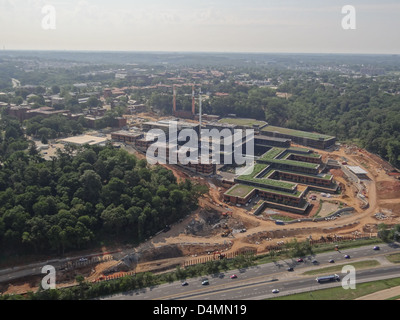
x: 351, y: 244
x: 393, y: 258
x: 281, y: 217
x: 318, y: 248
x: 339, y: 293
x: 394, y: 298
x: 338, y: 268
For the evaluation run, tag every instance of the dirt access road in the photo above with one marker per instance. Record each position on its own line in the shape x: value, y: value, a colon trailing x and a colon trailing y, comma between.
x: 179, y: 245
x: 383, y: 194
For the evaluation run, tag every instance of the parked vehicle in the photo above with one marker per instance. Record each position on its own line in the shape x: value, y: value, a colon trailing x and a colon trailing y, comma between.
x: 333, y: 277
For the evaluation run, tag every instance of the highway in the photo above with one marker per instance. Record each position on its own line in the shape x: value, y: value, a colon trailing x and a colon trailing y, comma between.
x: 257, y: 282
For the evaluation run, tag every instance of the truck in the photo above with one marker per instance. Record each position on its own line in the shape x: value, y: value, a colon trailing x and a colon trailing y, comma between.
x: 330, y: 278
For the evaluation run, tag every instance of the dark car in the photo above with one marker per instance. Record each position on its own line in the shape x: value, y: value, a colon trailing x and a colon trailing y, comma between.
x: 300, y: 260
x: 184, y: 284
x: 290, y: 269
x: 205, y: 282
x: 331, y: 261
x: 376, y: 248
x: 347, y: 256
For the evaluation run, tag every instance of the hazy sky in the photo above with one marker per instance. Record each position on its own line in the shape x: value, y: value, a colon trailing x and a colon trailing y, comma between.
x: 203, y: 25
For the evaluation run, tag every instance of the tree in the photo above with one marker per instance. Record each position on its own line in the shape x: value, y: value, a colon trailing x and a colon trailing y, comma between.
x: 91, y: 184
x: 93, y: 102
x: 55, y: 89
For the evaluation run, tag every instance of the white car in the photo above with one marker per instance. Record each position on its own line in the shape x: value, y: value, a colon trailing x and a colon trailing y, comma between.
x: 275, y: 291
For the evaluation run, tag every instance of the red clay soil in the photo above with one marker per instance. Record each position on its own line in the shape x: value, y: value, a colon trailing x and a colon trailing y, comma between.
x: 388, y: 189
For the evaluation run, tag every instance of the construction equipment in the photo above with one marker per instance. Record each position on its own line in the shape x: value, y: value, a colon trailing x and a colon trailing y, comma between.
x: 226, y: 214
x: 219, y: 255
x: 226, y: 233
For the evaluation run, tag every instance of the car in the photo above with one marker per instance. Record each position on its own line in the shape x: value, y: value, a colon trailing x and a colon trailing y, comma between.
x: 376, y: 248
x: 275, y: 291
x: 184, y: 284
x: 331, y: 261
x: 300, y: 260
x: 315, y: 261
x: 83, y: 259
x: 205, y: 283
x: 347, y: 256
x: 234, y: 276
x: 290, y: 269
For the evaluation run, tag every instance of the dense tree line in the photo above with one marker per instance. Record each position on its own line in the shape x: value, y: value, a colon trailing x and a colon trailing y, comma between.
x: 87, y: 290
x: 83, y: 196
x: 54, y: 127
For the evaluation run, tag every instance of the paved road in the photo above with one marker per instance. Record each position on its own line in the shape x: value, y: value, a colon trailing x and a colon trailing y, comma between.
x: 7, y: 275
x: 258, y: 282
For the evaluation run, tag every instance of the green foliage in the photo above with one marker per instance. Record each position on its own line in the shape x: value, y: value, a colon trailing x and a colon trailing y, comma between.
x: 86, y: 290
x: 389, y: 234
x: 72, y: 202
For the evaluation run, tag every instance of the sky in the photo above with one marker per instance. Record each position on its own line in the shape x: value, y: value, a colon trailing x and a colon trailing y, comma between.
x: 298, y: 26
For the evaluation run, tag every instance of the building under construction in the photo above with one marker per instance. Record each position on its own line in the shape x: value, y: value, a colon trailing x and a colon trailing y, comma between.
x: 283, y: 177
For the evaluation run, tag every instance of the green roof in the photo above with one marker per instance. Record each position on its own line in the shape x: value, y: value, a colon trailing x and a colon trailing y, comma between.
x: 305, y: 155
x: 242, y: 121
x: 241, y: 191
x: 270, y: 157
x: 272, y: 153
x: 297, y: 133
x: 322, y: 177
x: 296, y: 163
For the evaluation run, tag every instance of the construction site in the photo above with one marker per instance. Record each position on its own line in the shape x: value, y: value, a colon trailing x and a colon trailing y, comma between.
x: 293, y: 192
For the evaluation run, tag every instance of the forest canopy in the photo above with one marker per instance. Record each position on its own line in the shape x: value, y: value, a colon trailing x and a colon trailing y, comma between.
x: 83, y: 196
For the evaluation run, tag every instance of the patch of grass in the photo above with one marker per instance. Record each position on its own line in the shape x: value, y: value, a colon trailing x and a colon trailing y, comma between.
x: 338, y: 268
x: 324, y: 247
x: 242, y: 122
x: 280, y: 217
x: 297, y: 133
x: 339, y: 293
x: 240, y: 190
x: 318, y: 248
x: 393, y: 258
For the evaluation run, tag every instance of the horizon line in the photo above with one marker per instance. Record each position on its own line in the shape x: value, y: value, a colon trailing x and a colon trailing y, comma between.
x: 194, y: 52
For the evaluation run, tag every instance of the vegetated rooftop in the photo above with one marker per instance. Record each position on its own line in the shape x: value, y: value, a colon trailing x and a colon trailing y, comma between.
x: 258, y: 168
x: 241, y: 191
x: 297, y: 133
x: 243, y: 122
x: 272, y: 154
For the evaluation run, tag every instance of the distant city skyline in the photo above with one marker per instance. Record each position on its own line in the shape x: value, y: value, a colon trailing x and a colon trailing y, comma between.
x: 285, y: 26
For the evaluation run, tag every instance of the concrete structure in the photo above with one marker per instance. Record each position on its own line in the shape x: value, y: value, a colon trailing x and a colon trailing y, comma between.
x: 127, y: 137
x: 313, y: 140
x: 25, y: 112
x: 276, y: 177
x: 84, y: 139
x: 360, y: 173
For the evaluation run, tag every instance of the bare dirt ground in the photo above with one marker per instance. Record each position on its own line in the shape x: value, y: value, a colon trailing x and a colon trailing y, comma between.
x: 200, y: 233
x: 382, y: 295
x: 383, y: 193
